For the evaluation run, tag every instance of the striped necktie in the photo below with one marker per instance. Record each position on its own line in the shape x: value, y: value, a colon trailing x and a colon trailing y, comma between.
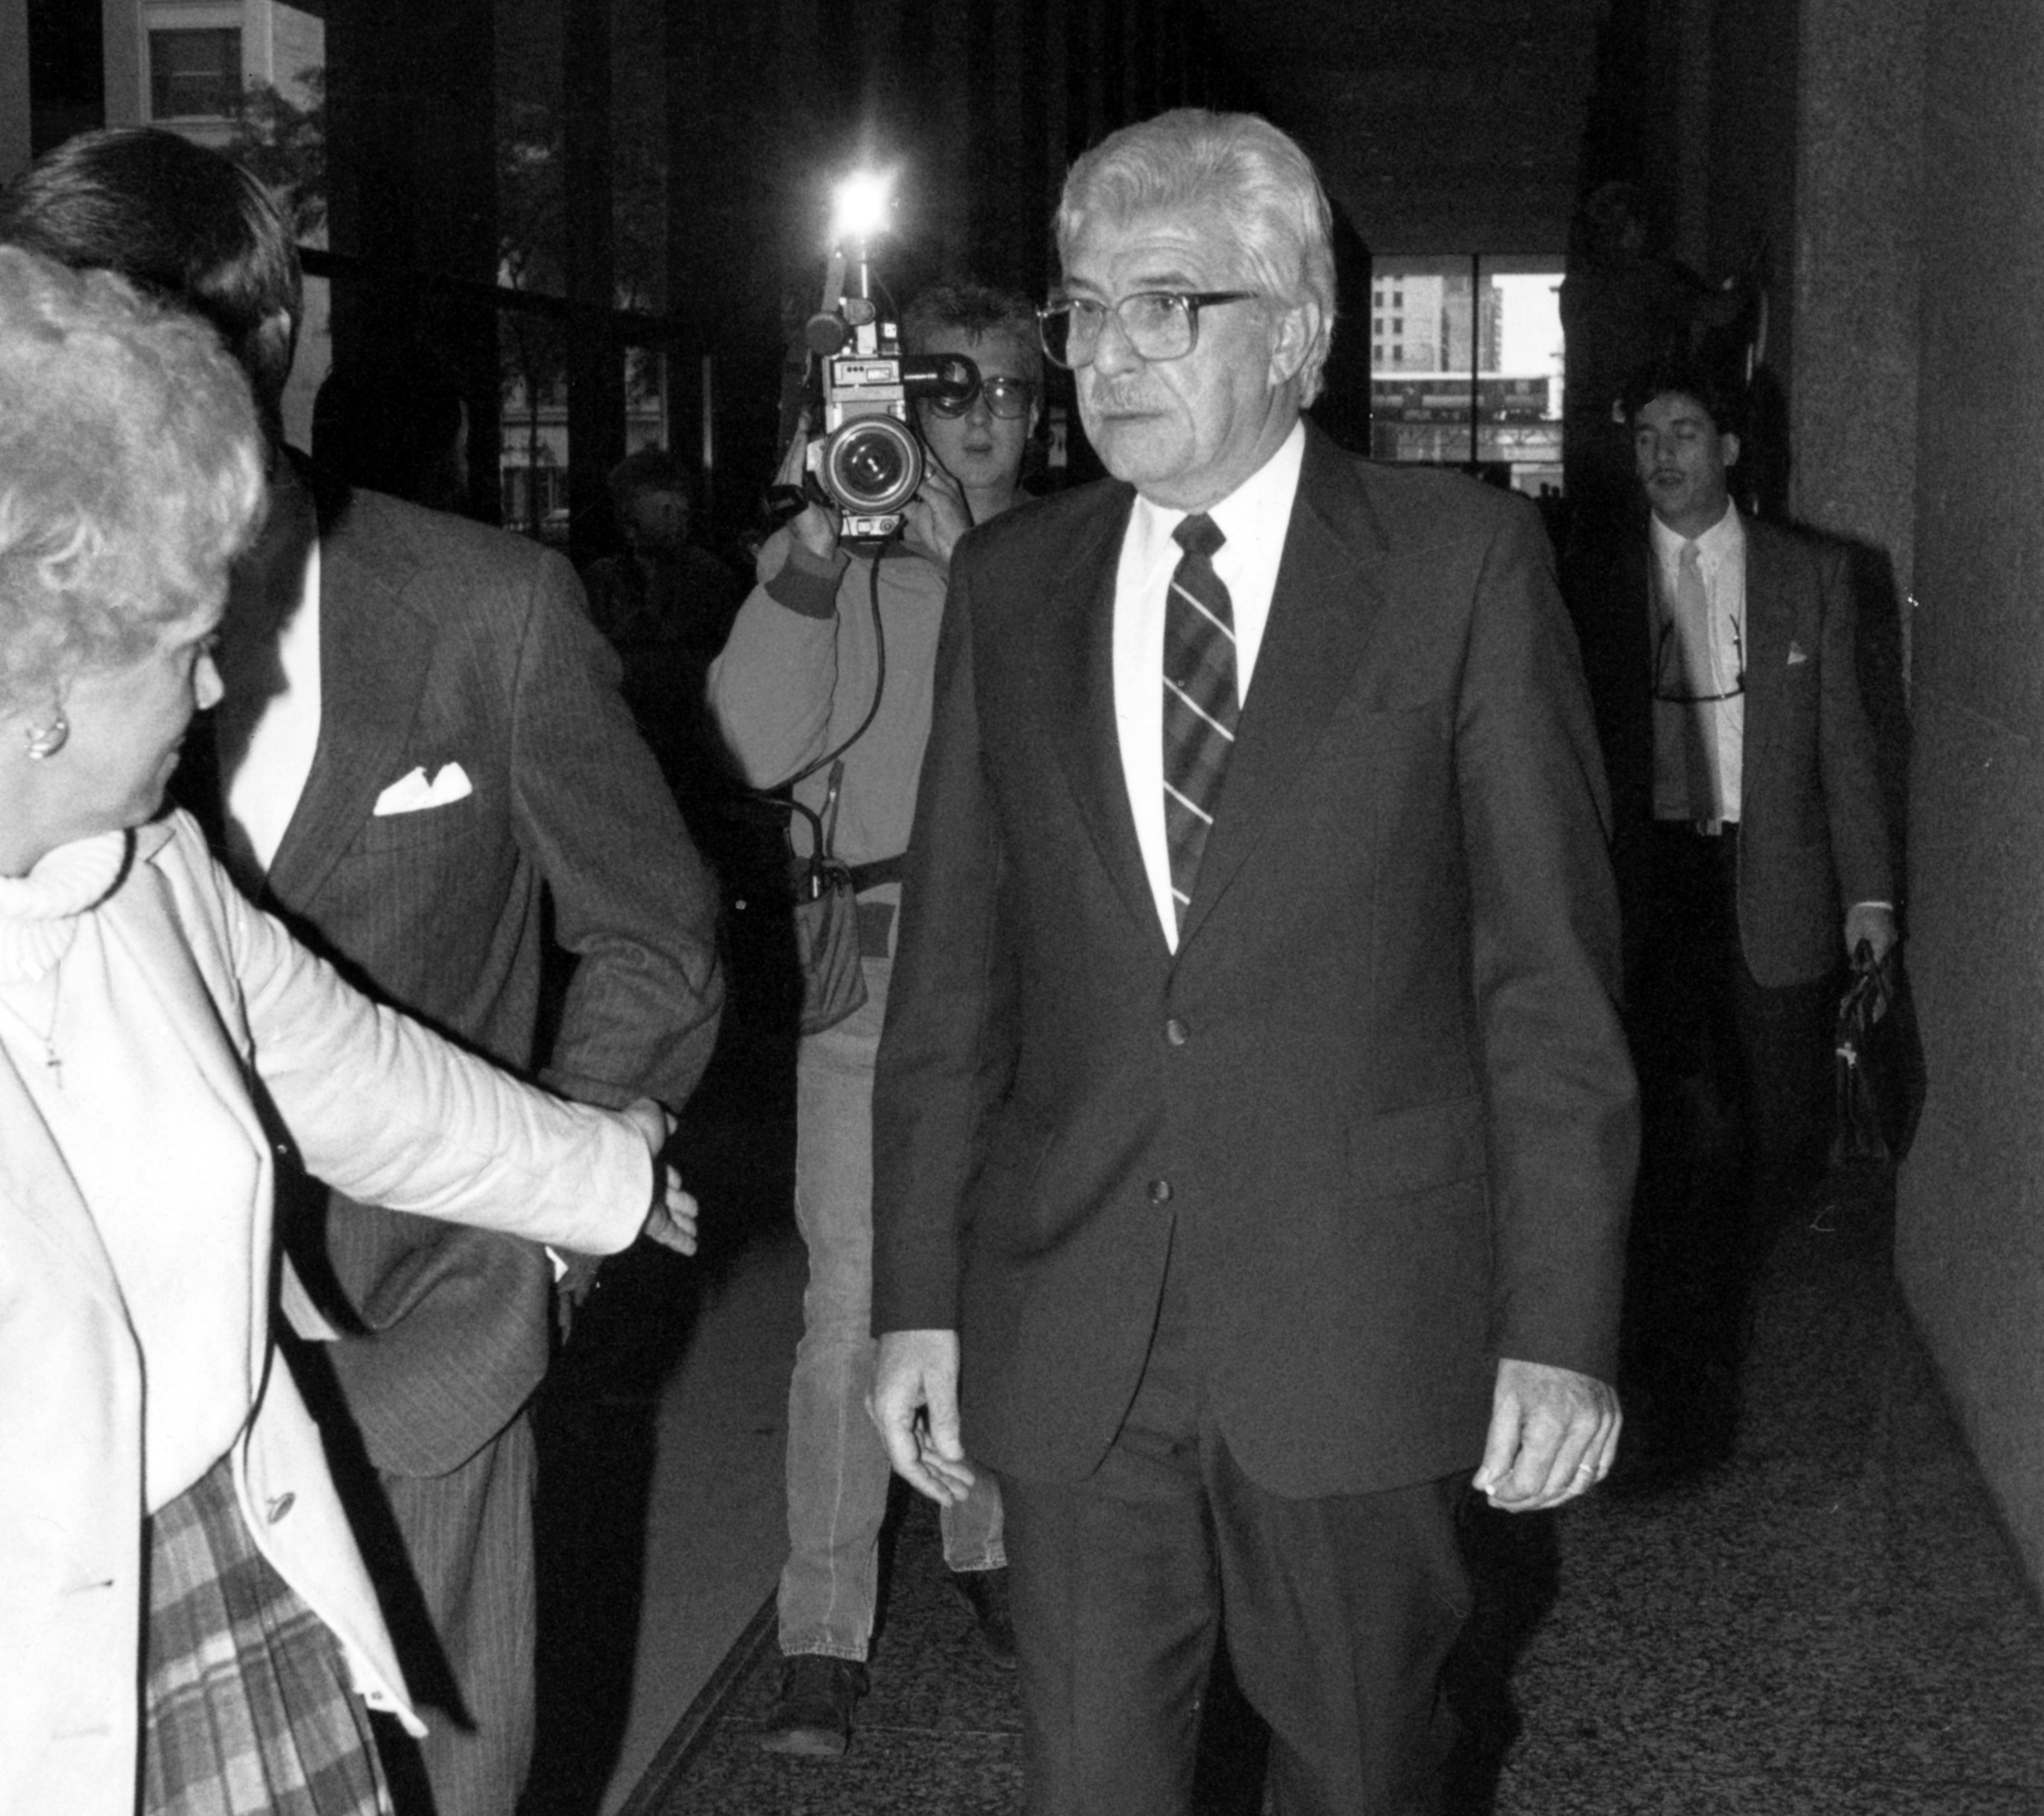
x: 1201, y: 701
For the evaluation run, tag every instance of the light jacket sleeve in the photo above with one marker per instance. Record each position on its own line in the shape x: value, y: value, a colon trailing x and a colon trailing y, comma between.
x: 772, y: 688
x: 393, y: 1114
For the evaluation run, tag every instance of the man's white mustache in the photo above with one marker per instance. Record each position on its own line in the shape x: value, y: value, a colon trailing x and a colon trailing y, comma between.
x: 1102, y: 399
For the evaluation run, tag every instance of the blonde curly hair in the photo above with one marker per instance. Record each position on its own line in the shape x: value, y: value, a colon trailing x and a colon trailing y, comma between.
x: 131, y: 473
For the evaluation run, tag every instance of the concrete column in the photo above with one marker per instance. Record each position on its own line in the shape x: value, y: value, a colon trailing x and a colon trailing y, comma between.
x: 1856, y: 277
x: 1969, y: 1242
x: 14, y: 101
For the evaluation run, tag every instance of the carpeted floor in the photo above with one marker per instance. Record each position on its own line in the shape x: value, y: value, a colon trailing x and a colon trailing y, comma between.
x: 1831, y: 1622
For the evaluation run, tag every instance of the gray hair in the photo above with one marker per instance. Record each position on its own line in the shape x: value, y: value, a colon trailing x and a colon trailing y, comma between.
x: 131, y: 472
x: 1239, y: 167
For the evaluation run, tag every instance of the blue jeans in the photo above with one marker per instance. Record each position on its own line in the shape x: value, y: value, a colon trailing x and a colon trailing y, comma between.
x: 837, y: 1469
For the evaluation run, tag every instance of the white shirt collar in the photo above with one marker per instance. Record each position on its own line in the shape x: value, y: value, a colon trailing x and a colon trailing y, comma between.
x: 1725, y: 537
x: 1257, y: 511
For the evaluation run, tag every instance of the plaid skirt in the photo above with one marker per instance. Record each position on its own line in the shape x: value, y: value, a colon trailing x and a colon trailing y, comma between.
x: 246, y: 1710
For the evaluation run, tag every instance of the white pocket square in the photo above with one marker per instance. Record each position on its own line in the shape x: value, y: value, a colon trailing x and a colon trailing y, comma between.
x: 411, y: 793
x: 1796, y: 654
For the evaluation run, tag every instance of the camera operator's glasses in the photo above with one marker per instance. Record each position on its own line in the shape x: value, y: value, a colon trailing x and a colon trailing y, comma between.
x: 1160, y: 324
x: 1005, y: 397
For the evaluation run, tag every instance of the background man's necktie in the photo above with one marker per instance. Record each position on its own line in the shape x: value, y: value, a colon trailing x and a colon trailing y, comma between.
x: 1692, y: 635
x: 1201, y: 700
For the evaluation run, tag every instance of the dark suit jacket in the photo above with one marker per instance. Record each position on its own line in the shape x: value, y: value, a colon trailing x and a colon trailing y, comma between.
x: 442, y: 641
x: 1379, y: 1093
x: 1813, y: 833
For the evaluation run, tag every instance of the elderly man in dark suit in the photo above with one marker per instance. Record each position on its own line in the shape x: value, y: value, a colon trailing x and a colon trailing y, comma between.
x: 422, y: 736
x: 1753, y: 855
x: 1254, y: 1128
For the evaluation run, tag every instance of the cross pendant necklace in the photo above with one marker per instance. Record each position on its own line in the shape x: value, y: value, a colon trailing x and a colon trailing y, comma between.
x: 45, y: 1036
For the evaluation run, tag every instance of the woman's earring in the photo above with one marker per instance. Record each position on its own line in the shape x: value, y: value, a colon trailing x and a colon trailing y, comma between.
x: 47, y: 741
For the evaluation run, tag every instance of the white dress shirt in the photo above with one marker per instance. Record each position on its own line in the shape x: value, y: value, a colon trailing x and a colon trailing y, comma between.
x: 264, y: 790
x: 1254, y: 517
x: 1721, y: 559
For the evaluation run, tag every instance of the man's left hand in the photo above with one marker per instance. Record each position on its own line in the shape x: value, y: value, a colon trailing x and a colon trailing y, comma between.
x: 1873, y: 923
x: 575, y: 1276
x: 671, y: 1221
x: 1553, y: 1434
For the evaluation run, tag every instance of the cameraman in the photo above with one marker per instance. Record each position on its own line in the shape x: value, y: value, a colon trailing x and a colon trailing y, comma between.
x: 796, y: 678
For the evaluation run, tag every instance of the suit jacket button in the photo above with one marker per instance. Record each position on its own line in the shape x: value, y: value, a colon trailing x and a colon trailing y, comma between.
x: 280, y: 1506
x: 1160, y: 1191
x: 1176, y: 1033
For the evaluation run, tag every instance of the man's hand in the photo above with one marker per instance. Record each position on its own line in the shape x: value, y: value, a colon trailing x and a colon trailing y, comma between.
x: 1553, y: 1434
x: 917, y: 1373
x: 813, y: 527
x: 937, y: 516
x: 1871, y: 922
x: 672, y: 1222
x: 575, y: 1276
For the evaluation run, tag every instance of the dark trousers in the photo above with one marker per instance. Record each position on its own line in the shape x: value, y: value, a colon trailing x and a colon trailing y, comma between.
x: 1702, y: 1024
x: 1339, y: 1612
x: 1733, y: 1082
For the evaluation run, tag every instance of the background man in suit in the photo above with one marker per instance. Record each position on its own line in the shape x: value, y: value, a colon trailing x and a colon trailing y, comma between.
x: 421, y: 734
x: 1254, y: 1128
x: 1752, y: 852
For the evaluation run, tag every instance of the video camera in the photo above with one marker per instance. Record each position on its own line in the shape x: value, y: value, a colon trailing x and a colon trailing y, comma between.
x: 868, y: 462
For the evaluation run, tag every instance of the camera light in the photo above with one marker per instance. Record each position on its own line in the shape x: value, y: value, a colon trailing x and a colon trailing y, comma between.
x: 864, y: 201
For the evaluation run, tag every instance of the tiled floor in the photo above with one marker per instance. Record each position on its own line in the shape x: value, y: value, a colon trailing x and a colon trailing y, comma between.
x: 1832, y: 1623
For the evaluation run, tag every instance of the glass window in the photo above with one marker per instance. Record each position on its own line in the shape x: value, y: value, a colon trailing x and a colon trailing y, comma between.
x: 533, y: 467
x: 1475, y: 379
x: 194, y: 74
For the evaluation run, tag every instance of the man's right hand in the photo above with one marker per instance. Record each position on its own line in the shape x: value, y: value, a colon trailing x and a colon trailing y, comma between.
x: 915, y: 1408
x: 815, y: 528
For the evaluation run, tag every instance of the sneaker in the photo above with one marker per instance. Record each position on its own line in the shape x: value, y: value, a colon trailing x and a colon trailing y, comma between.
x: 984, y: 1592
x: 813, y: 1715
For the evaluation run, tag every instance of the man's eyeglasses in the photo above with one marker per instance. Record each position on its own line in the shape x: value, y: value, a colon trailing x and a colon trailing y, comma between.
x: 1671, y: 684
x: 1160, y: 324
x: 1005, y: 397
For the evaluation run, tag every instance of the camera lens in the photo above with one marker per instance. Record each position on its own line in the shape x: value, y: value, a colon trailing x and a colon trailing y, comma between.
x: 872, y: 466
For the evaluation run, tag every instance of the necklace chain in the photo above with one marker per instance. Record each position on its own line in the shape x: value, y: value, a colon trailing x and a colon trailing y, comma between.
x: 46, y: 1035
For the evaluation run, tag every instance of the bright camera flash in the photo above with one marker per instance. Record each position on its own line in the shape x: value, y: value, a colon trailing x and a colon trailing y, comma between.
x: 864, y: 201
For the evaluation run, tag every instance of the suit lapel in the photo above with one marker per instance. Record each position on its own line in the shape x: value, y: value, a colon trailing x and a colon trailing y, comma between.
x: 1079, y: 655
x: 373, y: 651
x: 146, y: 919
x: 1770, y: 629
x: 1327, y: 600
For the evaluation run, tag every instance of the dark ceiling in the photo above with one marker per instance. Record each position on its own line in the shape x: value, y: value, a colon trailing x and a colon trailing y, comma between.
x: 1438, y: 126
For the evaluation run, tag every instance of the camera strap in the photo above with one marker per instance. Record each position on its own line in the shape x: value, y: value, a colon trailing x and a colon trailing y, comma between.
x: 778, y: 796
